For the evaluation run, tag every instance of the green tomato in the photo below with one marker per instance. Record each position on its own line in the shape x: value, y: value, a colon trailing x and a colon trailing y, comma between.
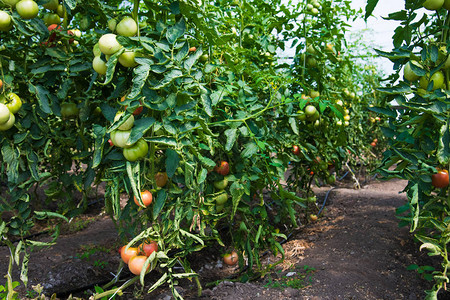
x: 11, y: 3
x: 4, y: 113
x: 27, y: 9
x: 310, y: 111
x: 221, y: 184
x: 51, y: 5
x: 9, y: 123
x: 137, y: 151
x: 128, y: 124
x: 331, y: 179
x: 221, y: 199
x: 408, y: 73
x: 5, y: 21
x: 112, y: 23
x: 433, y: 4
x: 108, y: 44
x: 127, y: 27
x: 437, y: 79
x: 69, y: 110
x: 51, y: 18
x: 120, y: 138
x: 12, y: 101
x: 99, y: 65
x: 126, y: 59
x: 301, y: 115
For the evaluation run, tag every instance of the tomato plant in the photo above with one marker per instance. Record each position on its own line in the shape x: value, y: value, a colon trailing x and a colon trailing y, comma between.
x: 418, y: 127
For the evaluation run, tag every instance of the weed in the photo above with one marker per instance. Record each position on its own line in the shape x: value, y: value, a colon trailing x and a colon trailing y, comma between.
x: 299, y: 278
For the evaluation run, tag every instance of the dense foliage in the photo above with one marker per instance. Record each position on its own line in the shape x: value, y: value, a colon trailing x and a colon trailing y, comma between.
x: 187, y: 110
x: 418, y: 127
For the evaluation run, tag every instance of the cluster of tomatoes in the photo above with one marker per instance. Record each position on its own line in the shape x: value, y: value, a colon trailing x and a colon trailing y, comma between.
x: 9, y: 105
x: 221, y: 196
x: 108, y: 45
x: 313, y: 7
x: 136, y: 257
x: 29, y: 9
x: 374, y: 142
x: 120, y: 136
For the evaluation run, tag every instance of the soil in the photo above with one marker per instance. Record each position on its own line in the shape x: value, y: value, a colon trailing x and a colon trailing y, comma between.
x: 355, y: 250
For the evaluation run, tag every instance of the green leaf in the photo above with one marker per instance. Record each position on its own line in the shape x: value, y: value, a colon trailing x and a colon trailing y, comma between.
x: 168, y: 78
x: 111, y: 66
x: 237, y: 191
x: 133, y: 172
x: 371, y: 4
x: 385, y: 111
x: 159, y: 203
x: 444, y: 144
x: 169, y: 141
x: 176, y: 31
x: 172, y: 161
x: 140, y: 127
x: 48, y: 214
x: 192, y: 236
x: 192, y: 59
x: 293, y: 123
x: 231, y: 135
x: 160, y: 282
x: 206, y: 161
x: 42, y: 95
x: 206, y: 100
x: 24, y: 268
x: 250, y: 149
x: 141, y: 73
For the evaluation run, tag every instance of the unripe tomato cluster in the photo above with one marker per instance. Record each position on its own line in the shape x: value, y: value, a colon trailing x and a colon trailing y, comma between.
x: 120, y: 136
x: 108, y: 45
x: 9, y: 105
x: 29, y: 9
x: 221, y: 196
x: 436, y: 4
x: 428, y: 75
x: 135, y: 257
x: 313, y: 7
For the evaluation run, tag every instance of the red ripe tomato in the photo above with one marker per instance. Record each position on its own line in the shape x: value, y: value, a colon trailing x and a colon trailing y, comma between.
x: 440, y: 179
x: 146, y: 198
x: 148, y: 248
x: 138, y: 111
x: 54, y: 27
x: 373, y: 144
x: 295, y: 150
x: 192, y: 49
x: 111, y: 144
x: 136, y: 264
x: 129, y: 253
x: 223, y: 168
x: 231, y: 258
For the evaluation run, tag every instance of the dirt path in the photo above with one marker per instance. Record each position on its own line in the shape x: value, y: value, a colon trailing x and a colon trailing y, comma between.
x: 355, y: 251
